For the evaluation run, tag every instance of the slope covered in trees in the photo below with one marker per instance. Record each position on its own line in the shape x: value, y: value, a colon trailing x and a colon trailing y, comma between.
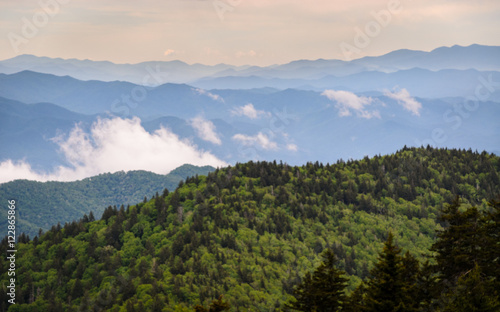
x: 43, y: 204
x: 251, y: 233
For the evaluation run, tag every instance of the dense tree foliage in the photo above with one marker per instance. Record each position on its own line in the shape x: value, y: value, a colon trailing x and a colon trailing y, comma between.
x: 42, y: 205
x: 252, y: 232
x: 400, y: 283
x: 216, y: 306
x: 389, y: 282
x: 468, y: 258
x: 323, y: 290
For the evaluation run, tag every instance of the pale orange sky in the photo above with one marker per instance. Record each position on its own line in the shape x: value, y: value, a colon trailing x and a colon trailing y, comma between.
x: 238, y: 32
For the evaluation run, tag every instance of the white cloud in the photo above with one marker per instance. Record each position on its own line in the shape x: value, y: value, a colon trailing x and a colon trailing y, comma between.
x: 404, y: 99
x: 260, y: 139
x: 347, y: 102
x: 205, y: 129
x: 114, y: 145
x: 18, y: 170
x: 214, y: 97
x: 292, y: 147
x: 249, y: 111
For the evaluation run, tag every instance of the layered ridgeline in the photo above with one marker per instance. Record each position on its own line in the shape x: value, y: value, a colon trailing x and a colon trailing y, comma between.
x: 249, y: 232
x: 43, y: 204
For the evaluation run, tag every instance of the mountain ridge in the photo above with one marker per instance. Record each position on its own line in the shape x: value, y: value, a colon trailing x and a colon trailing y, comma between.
x: 250, y: 232
x: 480, y: 57
x: 69, y: 201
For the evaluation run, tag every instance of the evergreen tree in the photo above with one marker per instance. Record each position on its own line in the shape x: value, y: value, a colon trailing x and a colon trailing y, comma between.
x: 216, y: 306
x: 474, y: 292
x: 458, y: 245
x: 390, y: 286
x: 323, y: 290
x: 467, y: 258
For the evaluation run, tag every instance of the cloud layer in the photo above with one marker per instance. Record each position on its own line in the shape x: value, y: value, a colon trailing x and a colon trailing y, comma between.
x: 260, y: 140
x: 249, y: 111
x: 348, y: 102
x: 205, y: 129
x: 214, y: 97
x: 114, y: 145
x: 404, y: 99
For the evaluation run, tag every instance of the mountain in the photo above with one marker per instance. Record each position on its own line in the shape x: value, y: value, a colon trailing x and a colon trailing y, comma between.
x: 475, y: 56
x: 28, y: 130
x: 43, y: 204
x: 479, y: 57
x: 155, y: 72
x: 98, y: 97
x: 290, y: 124
x: 249, y: 232
x: 419, y: 82
x: 207, y: 95
x: 306, y: 109
x: 146, y: 73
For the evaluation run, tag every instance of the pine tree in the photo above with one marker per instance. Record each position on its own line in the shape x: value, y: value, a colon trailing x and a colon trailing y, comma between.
x: 216, y: 306
x: 458, y: 245
x: 474, y: 292
x: 391, y: 283
x: 323, y: 290
x: 467, y: 258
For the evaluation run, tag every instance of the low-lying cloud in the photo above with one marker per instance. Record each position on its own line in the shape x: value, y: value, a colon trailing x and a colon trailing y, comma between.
x: 348, y: 102
x: 214, y: 97
x: 205, y: 129
x: 404, y: 99
x: 249, y: 111
x: 114, y: 145
x: 260, y: 140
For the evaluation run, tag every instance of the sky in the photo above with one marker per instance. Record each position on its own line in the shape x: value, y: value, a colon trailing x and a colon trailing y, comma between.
x: 240, y: 32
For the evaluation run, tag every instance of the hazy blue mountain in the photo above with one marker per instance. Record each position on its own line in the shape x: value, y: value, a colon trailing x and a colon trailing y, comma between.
x: 312, y: 127
x: 79, y: 96
x: 479, y: 57
x: 94, y: 97
x: 27, y: 130
x: 475, y: 56
x: 43, y: 204
x: 148, y: 73
x: 419, y: 82
x: 184, y: 101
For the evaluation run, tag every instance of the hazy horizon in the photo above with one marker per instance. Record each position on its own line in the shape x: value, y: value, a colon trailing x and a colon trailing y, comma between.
x: 239, y: 32
x: 276, y: 64
x: 361, y: 100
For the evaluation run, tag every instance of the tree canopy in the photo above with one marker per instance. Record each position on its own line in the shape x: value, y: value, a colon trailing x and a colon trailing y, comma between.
x: 252, y: 231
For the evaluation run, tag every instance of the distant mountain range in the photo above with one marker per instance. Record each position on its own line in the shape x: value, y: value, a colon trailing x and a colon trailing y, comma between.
x: 301, y: 111
x: 479, y: 57
x: 43, y: 204
x: 419, y: 82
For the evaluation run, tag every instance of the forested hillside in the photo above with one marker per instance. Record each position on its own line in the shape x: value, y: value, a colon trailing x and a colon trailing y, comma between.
x: 43, y: 204
x: 251, y: 233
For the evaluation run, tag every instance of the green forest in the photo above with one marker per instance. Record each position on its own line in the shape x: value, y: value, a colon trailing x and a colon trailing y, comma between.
x: 417, y: 230
x: 43, y: 204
